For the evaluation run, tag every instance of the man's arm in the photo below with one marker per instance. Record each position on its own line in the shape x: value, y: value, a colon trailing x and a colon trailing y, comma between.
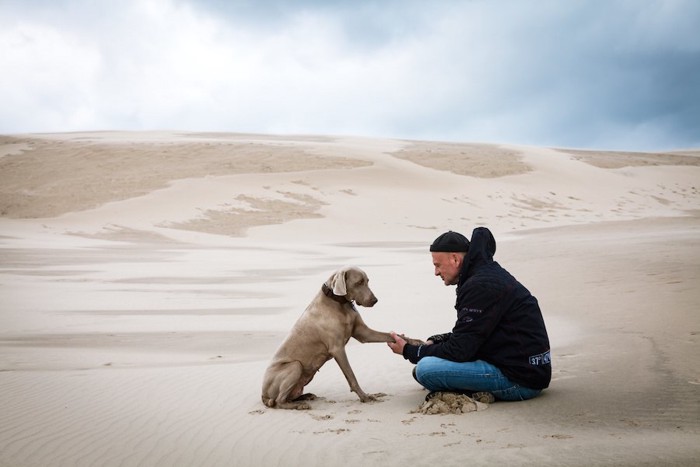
x: 479, y: 314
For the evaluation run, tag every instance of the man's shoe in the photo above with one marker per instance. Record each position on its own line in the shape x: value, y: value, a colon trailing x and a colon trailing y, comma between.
x: 483, y: 397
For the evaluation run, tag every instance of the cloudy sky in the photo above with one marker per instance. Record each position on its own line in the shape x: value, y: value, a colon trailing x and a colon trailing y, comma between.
x: 616, y: 74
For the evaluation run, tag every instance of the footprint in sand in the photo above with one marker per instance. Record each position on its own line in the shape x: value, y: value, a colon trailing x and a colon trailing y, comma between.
x: 337, y: 432
x: 321, y: 417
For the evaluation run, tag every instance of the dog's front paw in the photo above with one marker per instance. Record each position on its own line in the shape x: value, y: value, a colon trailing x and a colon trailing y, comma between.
x: 376, y: 397
x: 412, y: 341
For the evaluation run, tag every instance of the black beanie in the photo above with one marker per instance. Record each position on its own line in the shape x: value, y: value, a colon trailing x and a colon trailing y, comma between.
x: 450, y: 242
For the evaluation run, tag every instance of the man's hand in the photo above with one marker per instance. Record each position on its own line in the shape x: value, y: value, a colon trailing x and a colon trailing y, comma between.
x: 397, y: 345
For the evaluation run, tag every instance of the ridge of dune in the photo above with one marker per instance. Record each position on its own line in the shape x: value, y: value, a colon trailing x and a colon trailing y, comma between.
x: 53, y: 177
x: 243, y: 181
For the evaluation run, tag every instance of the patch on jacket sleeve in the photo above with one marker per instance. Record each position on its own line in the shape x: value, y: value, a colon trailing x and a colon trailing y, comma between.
x: 467, y: 315
x: 541, y: 359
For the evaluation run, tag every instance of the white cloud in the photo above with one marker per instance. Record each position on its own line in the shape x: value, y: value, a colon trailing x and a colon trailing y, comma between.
x: 537, y: 72
x: 48, y: 77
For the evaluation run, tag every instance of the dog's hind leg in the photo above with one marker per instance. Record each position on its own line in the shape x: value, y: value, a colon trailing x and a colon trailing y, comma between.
x: 290, y: 388
x: 306, y: 397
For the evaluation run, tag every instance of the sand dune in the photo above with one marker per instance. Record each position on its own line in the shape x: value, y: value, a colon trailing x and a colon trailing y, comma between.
x: 147, y: 278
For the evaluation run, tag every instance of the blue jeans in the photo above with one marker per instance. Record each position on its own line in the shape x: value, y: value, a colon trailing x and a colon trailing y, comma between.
x: 437, y: 374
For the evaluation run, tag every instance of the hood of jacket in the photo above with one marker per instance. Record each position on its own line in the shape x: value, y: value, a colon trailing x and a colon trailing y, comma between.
x: 482, y: 247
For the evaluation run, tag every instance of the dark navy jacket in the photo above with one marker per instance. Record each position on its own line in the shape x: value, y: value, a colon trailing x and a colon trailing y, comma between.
x: 498, y: 321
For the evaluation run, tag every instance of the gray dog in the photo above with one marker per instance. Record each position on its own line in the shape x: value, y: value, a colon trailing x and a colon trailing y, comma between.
x: 320, y: 334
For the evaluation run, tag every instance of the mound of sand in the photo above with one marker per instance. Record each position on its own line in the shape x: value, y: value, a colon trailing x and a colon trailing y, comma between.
x: 449, y: 402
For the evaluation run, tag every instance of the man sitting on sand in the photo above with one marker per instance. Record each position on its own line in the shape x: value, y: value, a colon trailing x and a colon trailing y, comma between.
x: 499, y: 346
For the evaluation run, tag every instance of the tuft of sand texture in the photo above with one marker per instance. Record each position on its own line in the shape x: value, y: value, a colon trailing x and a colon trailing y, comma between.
x: 146, y: 279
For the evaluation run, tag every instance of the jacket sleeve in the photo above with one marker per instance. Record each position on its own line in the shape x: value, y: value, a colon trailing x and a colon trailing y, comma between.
x: 477, y: 316
x: 440, y: 337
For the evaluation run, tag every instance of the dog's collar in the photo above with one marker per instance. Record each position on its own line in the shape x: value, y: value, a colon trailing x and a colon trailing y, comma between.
x: 329, y: 293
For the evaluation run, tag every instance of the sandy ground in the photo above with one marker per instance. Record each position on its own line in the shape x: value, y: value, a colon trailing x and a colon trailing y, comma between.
x: 147, y: 278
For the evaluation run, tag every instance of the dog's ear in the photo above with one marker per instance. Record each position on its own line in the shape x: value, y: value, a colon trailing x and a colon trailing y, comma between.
x: 337, y: 283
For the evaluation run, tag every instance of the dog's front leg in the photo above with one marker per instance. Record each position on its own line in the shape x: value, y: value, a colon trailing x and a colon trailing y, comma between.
x: 342, y: 359
x: 365, y: 334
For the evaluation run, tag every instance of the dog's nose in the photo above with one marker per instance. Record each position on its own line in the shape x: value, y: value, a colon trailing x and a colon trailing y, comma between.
x: 373, y: 301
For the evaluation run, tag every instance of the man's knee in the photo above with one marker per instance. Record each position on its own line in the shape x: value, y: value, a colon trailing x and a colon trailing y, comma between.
x: 424, y: 371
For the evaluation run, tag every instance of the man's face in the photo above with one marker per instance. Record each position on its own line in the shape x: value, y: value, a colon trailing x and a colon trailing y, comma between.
x: 447, y: 266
